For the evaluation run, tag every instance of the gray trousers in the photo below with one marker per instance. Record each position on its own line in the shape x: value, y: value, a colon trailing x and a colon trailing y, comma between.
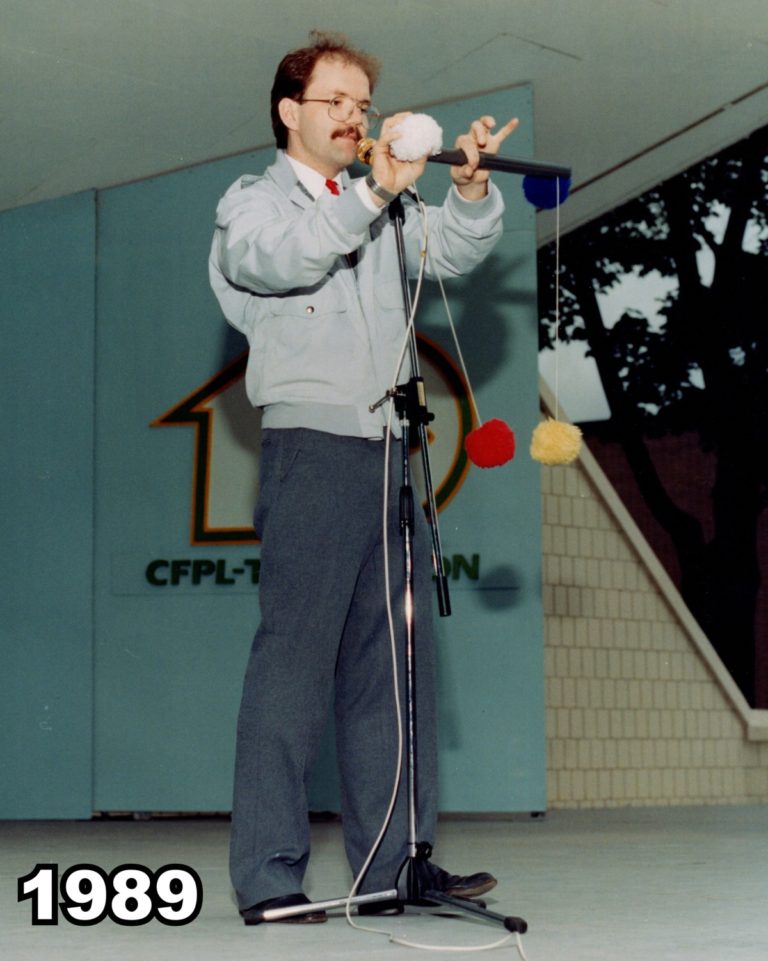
x: 324, y: 638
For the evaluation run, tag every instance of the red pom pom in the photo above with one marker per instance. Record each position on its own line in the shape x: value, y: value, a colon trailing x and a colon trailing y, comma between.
x: 490, y: 445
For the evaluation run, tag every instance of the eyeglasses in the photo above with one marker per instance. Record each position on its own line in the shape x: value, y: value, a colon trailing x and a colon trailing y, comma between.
x: 341, y: 109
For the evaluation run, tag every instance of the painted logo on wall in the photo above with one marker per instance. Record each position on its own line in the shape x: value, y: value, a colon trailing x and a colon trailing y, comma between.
x: 227, y: 433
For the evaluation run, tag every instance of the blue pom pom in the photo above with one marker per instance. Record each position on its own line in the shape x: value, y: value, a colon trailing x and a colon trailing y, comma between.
x: 543, y: 191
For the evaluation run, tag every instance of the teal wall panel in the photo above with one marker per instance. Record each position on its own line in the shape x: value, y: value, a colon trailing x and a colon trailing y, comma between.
x: 46, y: 391
x: 173, y: 596
x: 169, y: 663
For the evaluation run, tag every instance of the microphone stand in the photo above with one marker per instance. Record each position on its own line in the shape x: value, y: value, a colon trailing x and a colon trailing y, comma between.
x: 411, y: 406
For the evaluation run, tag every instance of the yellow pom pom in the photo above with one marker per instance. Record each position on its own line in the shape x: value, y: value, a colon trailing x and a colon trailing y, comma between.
x: 554, y: 442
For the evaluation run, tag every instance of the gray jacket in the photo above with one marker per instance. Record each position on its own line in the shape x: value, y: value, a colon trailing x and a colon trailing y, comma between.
x: 324, y: 336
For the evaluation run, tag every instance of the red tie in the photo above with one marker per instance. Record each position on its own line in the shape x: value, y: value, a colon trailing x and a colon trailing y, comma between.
x: 333, y: 187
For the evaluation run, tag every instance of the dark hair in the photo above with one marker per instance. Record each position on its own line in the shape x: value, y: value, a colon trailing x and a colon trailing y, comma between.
x: 295, y: 70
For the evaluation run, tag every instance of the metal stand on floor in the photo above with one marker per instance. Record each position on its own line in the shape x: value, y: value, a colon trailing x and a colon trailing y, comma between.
x: 411, y: 406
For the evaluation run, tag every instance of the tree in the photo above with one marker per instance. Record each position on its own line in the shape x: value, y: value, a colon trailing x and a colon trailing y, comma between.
x: 699, y: 365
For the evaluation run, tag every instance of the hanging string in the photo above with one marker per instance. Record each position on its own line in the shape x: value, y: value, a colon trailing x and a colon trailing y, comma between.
x: 490, y: 444
x: 459, y: 354
x: 554, y: 442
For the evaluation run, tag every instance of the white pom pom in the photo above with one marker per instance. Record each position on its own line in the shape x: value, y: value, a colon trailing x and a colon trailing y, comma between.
x: 419, y: 135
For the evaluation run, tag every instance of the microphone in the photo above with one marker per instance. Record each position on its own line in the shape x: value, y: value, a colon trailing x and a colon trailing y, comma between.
x: 457, y: 158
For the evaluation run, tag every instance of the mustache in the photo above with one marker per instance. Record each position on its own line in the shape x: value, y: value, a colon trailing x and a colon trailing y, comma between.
x: 351, y: 131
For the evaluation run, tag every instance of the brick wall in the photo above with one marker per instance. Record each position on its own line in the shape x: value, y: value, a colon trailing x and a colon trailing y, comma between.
x: 639, y: 708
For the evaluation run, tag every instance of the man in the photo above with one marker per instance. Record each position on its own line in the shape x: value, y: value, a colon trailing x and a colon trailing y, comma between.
x: 304, y: 263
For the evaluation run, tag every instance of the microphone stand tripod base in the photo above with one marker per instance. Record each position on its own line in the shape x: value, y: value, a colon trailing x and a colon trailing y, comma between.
x: 421, y: 894
x: 277, y: 914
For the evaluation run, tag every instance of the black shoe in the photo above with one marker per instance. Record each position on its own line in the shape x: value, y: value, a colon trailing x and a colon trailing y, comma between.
x: 255, y: 914
x: 457, y: 886
x: 389, y: 907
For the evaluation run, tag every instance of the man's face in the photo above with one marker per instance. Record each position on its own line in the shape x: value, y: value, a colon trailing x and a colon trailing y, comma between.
x: 326, y: 145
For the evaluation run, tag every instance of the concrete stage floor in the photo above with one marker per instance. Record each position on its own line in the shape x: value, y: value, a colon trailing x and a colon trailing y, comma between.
x: 660, y: 884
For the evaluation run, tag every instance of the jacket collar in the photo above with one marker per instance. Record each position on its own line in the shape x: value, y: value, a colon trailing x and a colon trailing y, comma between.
x: 283, y: 174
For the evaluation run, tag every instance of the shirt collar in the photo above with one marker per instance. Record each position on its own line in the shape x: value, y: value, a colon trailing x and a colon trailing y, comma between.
x: 313, y: 181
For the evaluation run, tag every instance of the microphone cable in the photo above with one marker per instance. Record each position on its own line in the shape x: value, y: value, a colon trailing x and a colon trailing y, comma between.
x: 391, y: 935
x: 388, y: 590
